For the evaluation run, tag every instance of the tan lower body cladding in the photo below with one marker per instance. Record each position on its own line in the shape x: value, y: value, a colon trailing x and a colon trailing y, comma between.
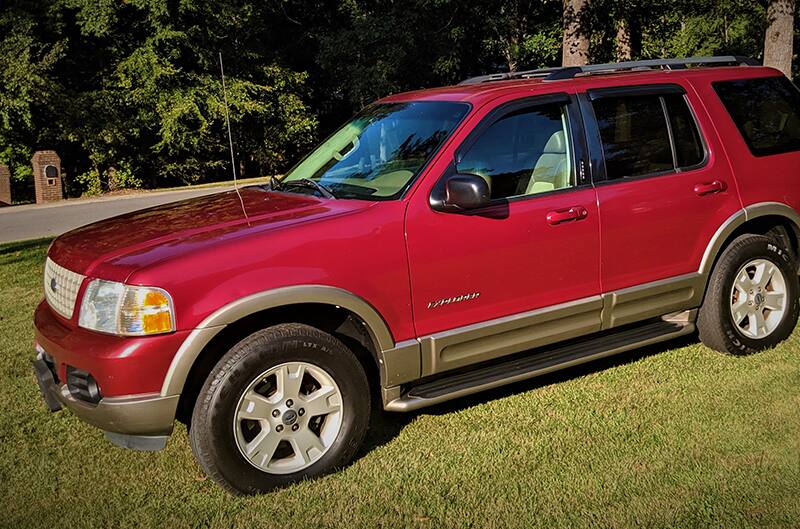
x: 490, y: 340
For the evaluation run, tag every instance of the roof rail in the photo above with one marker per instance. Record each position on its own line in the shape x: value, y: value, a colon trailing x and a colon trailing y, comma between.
x: 568, y: 72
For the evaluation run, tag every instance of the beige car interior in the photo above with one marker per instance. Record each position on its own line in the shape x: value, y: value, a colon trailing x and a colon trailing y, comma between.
x: 551, y: 171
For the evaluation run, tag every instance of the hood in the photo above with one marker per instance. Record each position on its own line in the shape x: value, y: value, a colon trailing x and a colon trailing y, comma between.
x: 185, y: 225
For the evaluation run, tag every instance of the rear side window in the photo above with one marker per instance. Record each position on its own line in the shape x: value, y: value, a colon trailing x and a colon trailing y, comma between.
x: 647, y: 134
x: 766, y: 112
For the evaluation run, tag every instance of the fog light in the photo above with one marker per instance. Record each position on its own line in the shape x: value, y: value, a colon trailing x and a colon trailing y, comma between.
x: 82, y: 385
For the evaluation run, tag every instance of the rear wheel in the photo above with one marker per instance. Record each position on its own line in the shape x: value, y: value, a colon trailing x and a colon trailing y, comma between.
x: 752, y: 298
x: 286, y: 403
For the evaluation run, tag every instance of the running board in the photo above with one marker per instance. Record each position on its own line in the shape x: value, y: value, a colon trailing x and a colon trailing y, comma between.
x: 537, y: 363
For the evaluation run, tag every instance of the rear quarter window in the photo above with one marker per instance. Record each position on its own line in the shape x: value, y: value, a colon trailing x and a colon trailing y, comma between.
x: 766, y: 112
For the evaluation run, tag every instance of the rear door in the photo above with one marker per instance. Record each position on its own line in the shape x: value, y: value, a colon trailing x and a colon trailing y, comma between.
x: 664, y: 187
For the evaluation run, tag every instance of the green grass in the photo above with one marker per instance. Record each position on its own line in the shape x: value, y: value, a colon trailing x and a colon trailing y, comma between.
x: 676, y: 436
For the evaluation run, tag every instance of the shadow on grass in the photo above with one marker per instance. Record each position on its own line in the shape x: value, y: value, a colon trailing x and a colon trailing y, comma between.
x: 20, y: 246
x: 385, y: 426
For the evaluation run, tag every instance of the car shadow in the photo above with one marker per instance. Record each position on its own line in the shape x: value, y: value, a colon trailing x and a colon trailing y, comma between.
x: 385, y: 426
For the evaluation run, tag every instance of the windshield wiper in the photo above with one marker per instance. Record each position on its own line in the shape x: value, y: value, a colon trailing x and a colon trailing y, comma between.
x: 277, y: 185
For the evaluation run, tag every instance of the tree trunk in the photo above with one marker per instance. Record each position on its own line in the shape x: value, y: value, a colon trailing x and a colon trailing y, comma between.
x: 576, y: 35
x: 510, y: 52
x: 780, y: 36
x: 624, y: 41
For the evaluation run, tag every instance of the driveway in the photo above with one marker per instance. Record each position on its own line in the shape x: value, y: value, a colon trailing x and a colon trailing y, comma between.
x: 18, y: 223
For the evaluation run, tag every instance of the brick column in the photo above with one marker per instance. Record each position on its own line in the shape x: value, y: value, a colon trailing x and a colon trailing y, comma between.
x: 47, y: 176
x: 5, y: 186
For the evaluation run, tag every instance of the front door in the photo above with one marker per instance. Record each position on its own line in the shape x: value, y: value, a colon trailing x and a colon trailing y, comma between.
x: 523, y: 271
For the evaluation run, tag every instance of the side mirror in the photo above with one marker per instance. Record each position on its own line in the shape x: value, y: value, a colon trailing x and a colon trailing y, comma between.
x: 463, y: 192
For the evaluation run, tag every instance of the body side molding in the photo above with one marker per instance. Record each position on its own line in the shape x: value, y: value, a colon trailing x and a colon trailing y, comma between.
x: 292, y: 295
x: 650, y: 300
x: 539, y: 362
x: 492, y: 339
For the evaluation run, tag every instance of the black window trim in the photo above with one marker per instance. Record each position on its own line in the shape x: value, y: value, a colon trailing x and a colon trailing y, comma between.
x: 761, y: 152
x: 577, y: 145
x: 597, y: 154
x: 635, y: 90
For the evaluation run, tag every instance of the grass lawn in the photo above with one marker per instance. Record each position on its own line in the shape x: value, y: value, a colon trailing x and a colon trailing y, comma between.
x: 672, y: 436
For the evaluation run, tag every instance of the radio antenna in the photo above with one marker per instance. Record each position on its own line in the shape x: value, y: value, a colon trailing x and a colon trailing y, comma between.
x: 230, y: 135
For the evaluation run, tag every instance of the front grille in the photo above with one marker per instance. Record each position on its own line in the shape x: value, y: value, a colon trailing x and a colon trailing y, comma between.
x: 61, y: 288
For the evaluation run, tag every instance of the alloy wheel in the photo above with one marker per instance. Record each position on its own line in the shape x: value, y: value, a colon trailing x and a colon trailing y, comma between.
x: 288, y: 417
x: 758, y: 299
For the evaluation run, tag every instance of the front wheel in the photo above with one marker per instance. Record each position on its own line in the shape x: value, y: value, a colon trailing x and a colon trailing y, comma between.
x: 287, y: 403
x: 752, y: 298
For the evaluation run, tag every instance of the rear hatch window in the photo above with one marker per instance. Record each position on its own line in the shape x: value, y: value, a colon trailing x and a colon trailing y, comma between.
x: 766, y: 112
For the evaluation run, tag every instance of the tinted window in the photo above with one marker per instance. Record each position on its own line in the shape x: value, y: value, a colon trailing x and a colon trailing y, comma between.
x: 765, y: 111
x: 689, y: 149
x: 634, y: 133
x: 377, y: 154
x: 523, y: 153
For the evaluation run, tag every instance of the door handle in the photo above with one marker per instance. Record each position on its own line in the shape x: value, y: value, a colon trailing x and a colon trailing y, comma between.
x: 567, y: 215
x: 716, y: 186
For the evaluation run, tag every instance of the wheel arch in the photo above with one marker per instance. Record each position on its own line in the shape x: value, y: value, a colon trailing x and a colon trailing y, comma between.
x: 761, y: 219
x: 332, y: 309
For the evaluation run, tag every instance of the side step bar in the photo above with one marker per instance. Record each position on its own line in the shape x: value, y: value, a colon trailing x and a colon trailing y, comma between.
x: 537, y: 363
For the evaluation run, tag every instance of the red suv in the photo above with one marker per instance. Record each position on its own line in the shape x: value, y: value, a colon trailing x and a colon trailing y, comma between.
x: 443, y: 242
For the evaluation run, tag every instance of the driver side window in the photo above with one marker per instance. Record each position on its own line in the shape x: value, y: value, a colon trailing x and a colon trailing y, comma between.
x: 525, y: 152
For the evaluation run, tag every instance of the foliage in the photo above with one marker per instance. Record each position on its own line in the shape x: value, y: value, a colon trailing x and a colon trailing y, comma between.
x: 25, y: 84
x: 131, y: 88
x: 129, y: 92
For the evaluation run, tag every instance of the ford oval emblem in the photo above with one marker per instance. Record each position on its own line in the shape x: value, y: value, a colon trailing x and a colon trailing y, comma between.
x: 53, y: 284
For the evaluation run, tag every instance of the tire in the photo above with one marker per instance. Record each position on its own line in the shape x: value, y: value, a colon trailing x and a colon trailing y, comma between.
x: 716, y: 321
x: 233, y: 415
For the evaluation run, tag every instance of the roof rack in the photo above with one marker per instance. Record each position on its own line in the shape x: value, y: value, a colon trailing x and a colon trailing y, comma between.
x: 568, y: 72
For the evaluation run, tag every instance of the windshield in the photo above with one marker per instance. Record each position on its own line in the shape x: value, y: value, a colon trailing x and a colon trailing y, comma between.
x: 380, y: 152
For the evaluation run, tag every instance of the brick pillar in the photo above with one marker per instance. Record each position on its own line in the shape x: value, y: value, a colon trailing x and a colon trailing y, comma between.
x: 5, y: 185
x: 47, y: 176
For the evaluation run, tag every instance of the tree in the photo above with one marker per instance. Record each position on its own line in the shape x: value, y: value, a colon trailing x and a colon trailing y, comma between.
x: 525, y: 33
x: 575, y: 48
x: 27, y: 90
x: 128, y: 92
x: 624, y: 40
x: 779, y: 38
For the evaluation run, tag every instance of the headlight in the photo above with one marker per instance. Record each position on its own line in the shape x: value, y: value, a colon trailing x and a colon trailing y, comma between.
x: 116, y: 308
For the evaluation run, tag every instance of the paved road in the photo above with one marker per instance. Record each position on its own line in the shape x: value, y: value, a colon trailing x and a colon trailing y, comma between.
x: 18, y: 223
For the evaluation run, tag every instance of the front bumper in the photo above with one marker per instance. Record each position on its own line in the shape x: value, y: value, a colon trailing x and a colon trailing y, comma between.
x: 121, y: 366
x: 137, y: 421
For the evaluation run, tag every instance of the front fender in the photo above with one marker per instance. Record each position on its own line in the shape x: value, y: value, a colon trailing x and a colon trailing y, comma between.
x: 197, y: 340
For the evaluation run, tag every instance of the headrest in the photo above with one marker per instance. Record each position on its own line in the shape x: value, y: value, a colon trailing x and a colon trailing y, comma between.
x: 556, y: 144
